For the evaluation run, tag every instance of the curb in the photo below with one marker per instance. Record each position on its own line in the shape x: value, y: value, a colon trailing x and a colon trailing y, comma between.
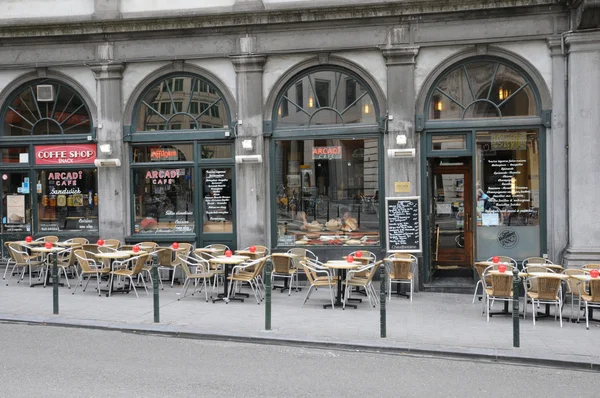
x: 172, y: 331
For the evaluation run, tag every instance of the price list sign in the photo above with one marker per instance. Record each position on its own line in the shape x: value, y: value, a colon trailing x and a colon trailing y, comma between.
x: 403, y: 224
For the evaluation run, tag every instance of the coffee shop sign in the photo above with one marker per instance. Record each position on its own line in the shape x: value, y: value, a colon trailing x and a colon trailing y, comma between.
x: 162, y: 177
x: 65, y: 154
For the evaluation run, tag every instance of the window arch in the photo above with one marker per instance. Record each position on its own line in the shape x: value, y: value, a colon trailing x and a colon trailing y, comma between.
x: 482, y: 89
x: 45, y: 107
x: 325, y: 96
x: 182, y: 102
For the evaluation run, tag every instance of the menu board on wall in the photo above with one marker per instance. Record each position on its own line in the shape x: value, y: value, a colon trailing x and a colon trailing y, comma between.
x: 403, y: 224
x: 217, y: 201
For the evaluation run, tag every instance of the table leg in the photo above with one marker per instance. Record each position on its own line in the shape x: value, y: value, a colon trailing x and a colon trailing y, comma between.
x: 47, y: 281
x: 339, y: 296
x: 223, y: 296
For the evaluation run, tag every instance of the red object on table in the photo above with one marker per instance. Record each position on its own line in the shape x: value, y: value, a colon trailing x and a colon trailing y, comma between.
x: 594, y: 273
x: 48, y: 245
x: 175, y: 245
x: 28, y: 239
x: 228, y: 253
x: 100, y: 242
x: 349, y: 258
x: 358, y: 254
x: 502, y: 268
x: 252, y: 249
x: 495, y: 259
x: 135, y: 249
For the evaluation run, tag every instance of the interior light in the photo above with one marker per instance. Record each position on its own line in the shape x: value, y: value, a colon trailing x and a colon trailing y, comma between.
x: 367, y: 110
x: 310, y: 102
x: 279, y: 111
x: 503, y: 93
x: 439, y: 106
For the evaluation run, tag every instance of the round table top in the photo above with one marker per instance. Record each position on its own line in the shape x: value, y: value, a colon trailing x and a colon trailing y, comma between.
x: 229, y: 260
x: 132, y: 253
x: 582, y: 277
x: 32, y: 243
x: 68, y: 244
x: 113, y: 255
x: 335, y: 264
x: 43, y: 249
x: 531, y: 274
x: 207, y: 250
x: 249, y: 253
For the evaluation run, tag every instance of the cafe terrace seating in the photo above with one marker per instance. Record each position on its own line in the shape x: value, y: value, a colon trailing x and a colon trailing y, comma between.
x: 352, y: 280
x: 90, y: 268
x: 201, y: 271
x: 318, y: 276
x: 591, y: 298
x: 240, y: 274
x: 496, y: 286
x: 24, y: 261
x: 122, y: 269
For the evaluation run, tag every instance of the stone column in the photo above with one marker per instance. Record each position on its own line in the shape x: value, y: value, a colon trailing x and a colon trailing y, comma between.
x: 251, y: 178
x: 113, y: 191
x: 556, y: 155
x: 584, y: 141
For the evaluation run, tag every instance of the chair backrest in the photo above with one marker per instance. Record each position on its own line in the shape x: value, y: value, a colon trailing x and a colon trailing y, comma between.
x: 501, y: 285
x: 186, y: 262
x: 49, y: 238
x: 547, y: 287
x: 83, y: 259
x: 505, y: 259
x: 106, y: 249
x: 138, y: 266
x: 112, y: 243
x: 592, y: 266
x: 259, y: 265
x: 594, y: 285
x: 182, y: 251
x: 401, y: 267
x: 572, y: 282
x: 71, y: 256
x: 535, y: 260
x: 91, y: 247
x: 79, y: 241
x: 373, y: 270
x: 164, y: 257
x: 282, y: 263
x: 153, y: 245
x: 480, y: 267
x: 220, y: 248
x: 260, y: 250
x: 366, y: 256
x: 538, y: 268
x: 311, y: 273
x: 17, y: 254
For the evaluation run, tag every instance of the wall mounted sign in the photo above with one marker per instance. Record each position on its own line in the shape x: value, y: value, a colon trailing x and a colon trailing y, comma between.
x: 65, y: 154
x: 402, y: 187
x: 327, y: 152
x: 161, y: 177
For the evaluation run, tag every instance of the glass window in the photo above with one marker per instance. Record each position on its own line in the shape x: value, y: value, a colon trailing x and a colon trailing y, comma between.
x: 67, y: 200
x: 46, y: 107
x: 452, y: 142
x: 164, y: 200
x: 325, y: 88
x: 327, y: 192
x: 217, y: 205
x: 216, y: 151
x: 15, y: 155
x: 163, y: 153
x: 189, y: 102
x: 482, y: 89
x: 16, y: 203
x: 508, y: 194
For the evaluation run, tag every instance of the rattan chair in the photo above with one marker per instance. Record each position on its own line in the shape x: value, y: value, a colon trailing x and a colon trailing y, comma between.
x: 479, y: 267
x: 283, y: 267
x: 573, y: 286
x: 65, y: 260
x: 24, y: 261
x: 138, y: 263
x: 590, y: 299
x: 87, y: 262
x: 548, y: 292
x: 79, y: 241
x: 592, y: 266
x: 49, y: 238
x: 112, y: 243
x: 239, y: 274
x: 352, y: 280
x: 498, y: 288
x: 506, y: 259
x: 400, y: 272
x: 10, y: 259
x: 318, y: 277
x: 220, y: 249
x: 201, y: 272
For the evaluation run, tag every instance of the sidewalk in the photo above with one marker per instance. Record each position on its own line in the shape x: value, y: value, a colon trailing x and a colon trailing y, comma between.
x: 435, y: 323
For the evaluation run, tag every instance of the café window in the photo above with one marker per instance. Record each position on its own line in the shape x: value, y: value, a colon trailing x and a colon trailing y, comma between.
x: 16, y: 202
x: 67, y: 200
x: 163, y: 153
x: 508, y: 193
x: 217, y: 205
x: 327, y: 192
x: 164, y: 200
x: 46, y: 107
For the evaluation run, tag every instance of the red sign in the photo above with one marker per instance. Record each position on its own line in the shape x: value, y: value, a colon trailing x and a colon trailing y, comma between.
x: 65, y: 154
x: 327, y: 152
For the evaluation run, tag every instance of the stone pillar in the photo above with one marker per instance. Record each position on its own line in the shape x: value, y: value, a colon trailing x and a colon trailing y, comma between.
x: 113, y: 191
x: 251, y: 178
x: 556, y: 155
x: 583, y: 141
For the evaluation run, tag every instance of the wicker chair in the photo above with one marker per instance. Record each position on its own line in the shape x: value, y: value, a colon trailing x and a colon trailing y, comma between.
x: 202, y: 271
x: 591, y: 299
x: 283, y: 267
x: 221, y: 249
x: 366, y: 282
x: 548, y: 292
x: 318, y: 277
x: 479, y: 267
x: 506, y: 259
x: 89, y: 267
x: 572, y: 285
x: 66, y: 260
x: 239, y: 274
x: 592, y: 266
x: 23, y: 260
x: 10, y: 259
x: 112, y: 243
x: 138, y: 264
x: 498, y: 288
x: 400, y: 272
x: 49, y: 238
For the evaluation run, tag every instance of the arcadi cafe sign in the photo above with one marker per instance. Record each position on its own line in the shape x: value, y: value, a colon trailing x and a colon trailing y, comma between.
x: 65, y: 154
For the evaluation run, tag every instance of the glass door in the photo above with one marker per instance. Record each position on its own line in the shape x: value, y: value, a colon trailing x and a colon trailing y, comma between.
x: 451, y: 208
x: 217, y: 206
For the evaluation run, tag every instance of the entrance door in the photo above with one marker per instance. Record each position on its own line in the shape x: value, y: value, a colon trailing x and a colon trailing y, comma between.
x: 451, y: 207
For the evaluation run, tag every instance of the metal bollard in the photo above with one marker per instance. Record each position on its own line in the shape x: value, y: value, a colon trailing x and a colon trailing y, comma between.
x: 268, y: 268
x: 54, y: 282
x: 515, y: 311
x: 382, y: 315
x: 155, y: 286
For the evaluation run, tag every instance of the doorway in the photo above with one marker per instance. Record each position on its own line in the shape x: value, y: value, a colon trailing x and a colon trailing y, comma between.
x: 450, y: 217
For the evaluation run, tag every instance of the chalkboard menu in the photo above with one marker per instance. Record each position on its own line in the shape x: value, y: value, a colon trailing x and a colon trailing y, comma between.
x: 403, y: 222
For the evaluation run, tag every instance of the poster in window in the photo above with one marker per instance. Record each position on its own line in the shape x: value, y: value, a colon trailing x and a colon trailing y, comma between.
x: 15, y: 209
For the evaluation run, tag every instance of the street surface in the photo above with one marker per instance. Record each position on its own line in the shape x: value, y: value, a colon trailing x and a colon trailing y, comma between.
x: 45, y: 361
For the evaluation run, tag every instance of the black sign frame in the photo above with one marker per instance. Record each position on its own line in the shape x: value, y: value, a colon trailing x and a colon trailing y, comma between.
x: 416, y: 199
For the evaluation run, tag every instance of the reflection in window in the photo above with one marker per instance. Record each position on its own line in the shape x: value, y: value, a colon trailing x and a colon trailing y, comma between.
x: 454, y: 142
x: 181, y: 102
x: 164, y: 200
x: 508, y: 193
x: 217, y: 204
x: 68, y: 200
x: 482, y: 89
x: 46, y: 107
x: 327, y: 192
x: 325, y: 89
x: 15, y: 155
x: 16, y: 206
x: 163, y: 153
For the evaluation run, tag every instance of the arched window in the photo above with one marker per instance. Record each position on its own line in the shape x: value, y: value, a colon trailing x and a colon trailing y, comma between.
x: 482, y: 89
x: 45, y: 107
x: 325, y: 96
x: 182, y: 102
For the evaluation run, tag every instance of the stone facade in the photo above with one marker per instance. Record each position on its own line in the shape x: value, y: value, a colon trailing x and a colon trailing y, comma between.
x: 110, y: 50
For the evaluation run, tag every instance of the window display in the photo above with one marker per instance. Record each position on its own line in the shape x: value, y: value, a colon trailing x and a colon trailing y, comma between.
x: 327, y: 192
x: 164, y: 200
x: 67, y: 200
x: 16, y: 202
x: 218, y: 209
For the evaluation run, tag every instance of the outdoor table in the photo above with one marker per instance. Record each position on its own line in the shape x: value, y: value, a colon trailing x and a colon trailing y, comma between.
x: 343, y: 266
x: 112, y: 256
x: 45, y: 253
x: 68, y: 244
x: 249, y: 254
x: 229, y: 263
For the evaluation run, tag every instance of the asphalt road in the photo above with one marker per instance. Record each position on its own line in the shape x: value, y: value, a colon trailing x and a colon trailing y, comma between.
x: 44, y: 361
